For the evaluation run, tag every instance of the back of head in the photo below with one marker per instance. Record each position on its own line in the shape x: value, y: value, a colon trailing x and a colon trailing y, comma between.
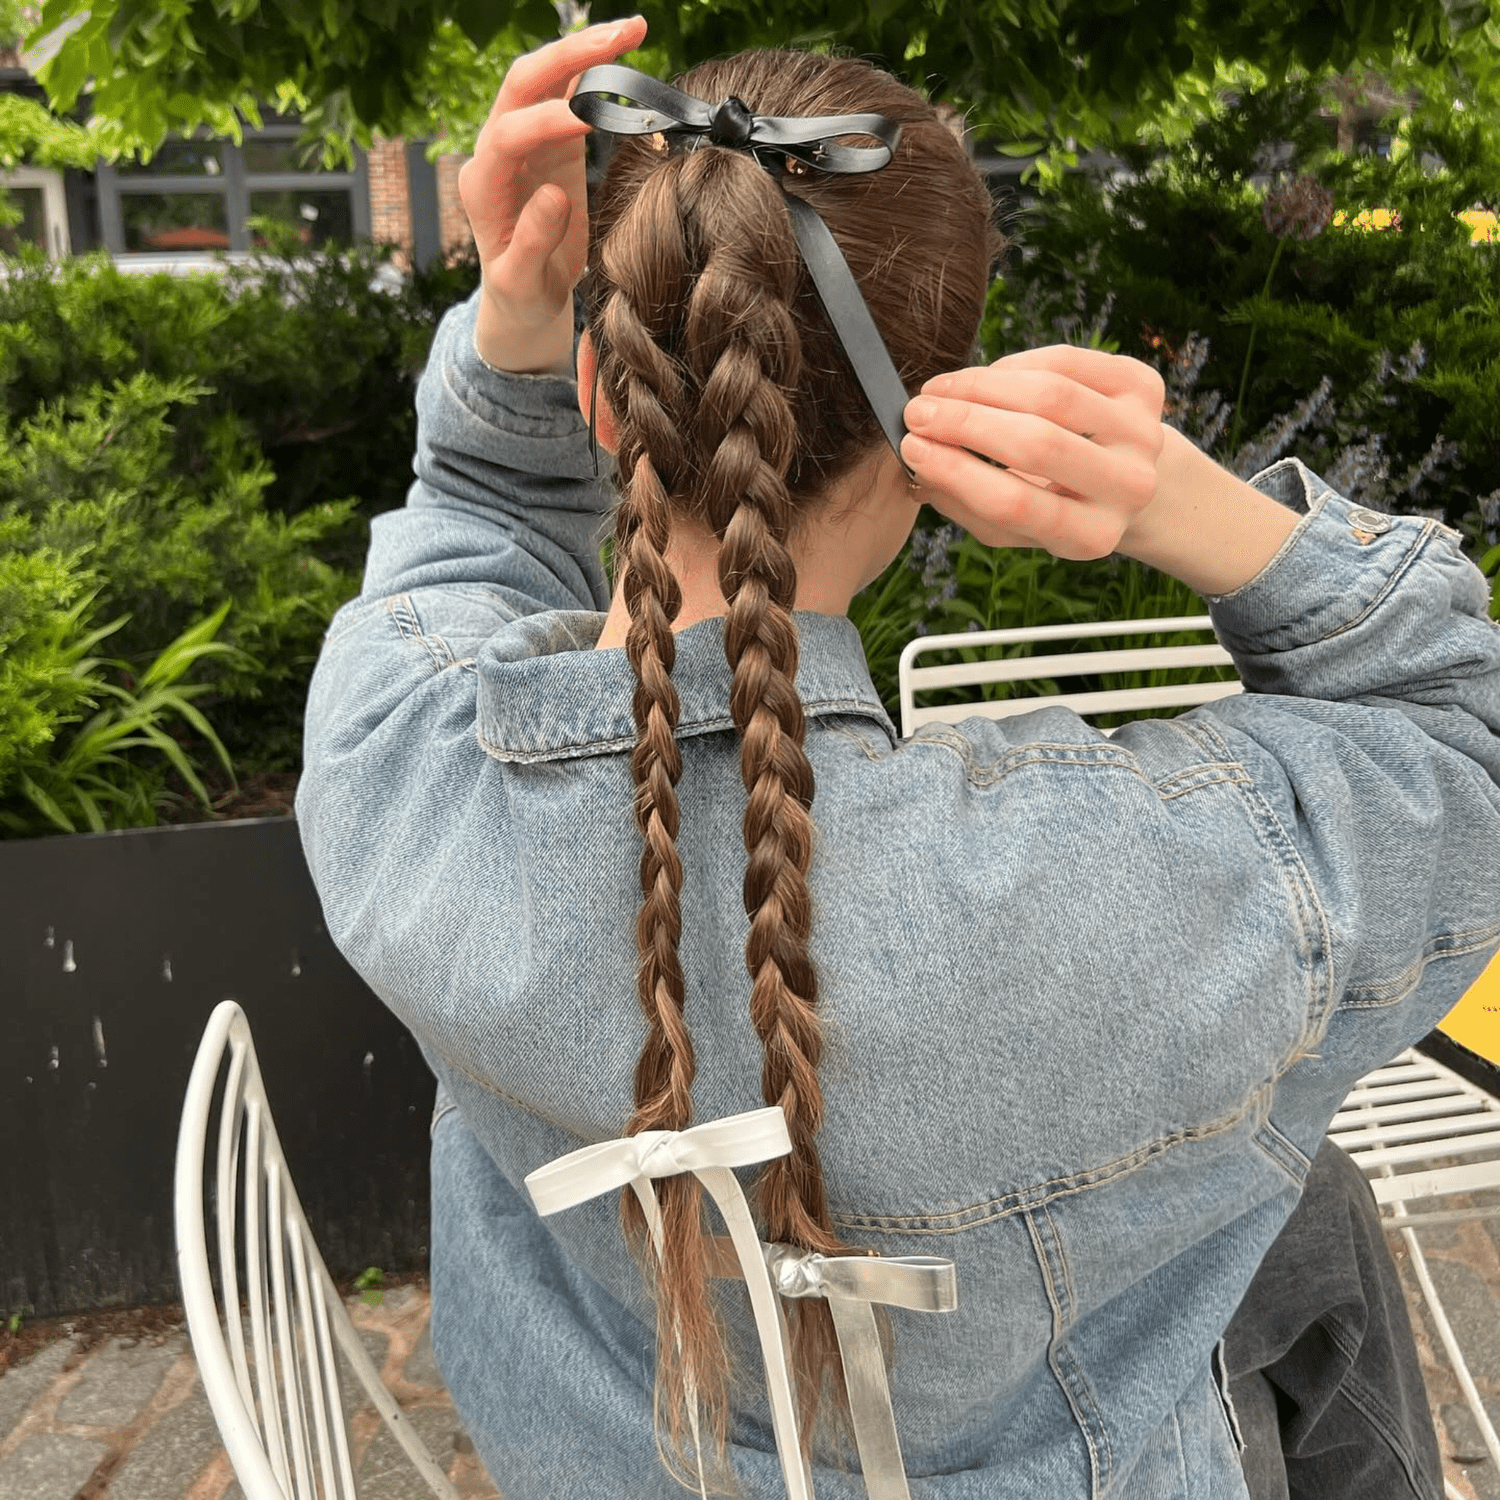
x: 737, y: 410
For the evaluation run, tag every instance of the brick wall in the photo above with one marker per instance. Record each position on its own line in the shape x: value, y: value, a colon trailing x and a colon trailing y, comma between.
x: 390, y: 199
x: 453, y: 223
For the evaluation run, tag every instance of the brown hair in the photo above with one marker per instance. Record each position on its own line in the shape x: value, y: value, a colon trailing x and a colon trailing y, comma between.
x: 737, y: 408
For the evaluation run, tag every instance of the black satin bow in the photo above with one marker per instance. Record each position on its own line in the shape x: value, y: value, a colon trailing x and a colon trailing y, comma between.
x: 625, y: 102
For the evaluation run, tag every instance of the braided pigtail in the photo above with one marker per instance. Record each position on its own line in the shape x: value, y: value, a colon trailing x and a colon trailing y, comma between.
x: 742, y: 341
x: 647, y: 388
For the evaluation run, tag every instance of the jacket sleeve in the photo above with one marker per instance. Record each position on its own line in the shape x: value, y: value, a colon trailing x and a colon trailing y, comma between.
x: 1369, y: 734
x: 497, y: 549
x: 505, y: 496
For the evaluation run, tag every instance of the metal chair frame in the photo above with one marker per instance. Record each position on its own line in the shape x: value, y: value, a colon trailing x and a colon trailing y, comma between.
x: 913, y: 679
x: 1403, y: 1125
x: 278, y: 1402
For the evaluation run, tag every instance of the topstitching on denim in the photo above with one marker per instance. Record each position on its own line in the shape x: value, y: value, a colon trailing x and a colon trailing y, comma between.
x: 1021, y: 1200
x: 1066, y: 1369
x: 404, y: 613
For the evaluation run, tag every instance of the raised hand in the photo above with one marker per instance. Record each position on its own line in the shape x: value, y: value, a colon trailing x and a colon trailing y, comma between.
x: 525, y: 194
x: 1066, y: 439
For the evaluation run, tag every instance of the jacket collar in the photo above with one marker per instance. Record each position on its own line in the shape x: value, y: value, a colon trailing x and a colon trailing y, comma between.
x: 545, y: 693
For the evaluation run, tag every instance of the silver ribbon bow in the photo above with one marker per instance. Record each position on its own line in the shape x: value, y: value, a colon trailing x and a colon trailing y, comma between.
x: 851, y: 1285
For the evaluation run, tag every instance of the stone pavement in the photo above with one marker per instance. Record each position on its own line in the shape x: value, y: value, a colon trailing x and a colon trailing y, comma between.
x: 128, y: 1420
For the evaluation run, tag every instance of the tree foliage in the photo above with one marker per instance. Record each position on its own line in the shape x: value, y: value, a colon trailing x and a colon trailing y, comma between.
x: 1058, y: 71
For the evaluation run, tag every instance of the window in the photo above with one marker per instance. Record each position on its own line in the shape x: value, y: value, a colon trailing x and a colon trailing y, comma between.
x: 195, y: 196
x: 44, y: 215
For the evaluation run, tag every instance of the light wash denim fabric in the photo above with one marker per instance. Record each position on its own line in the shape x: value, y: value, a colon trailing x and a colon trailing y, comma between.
x: 1089, y: 1002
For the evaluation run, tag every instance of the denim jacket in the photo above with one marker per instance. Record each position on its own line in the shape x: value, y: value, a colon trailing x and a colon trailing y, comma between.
x: 1090, y: 1002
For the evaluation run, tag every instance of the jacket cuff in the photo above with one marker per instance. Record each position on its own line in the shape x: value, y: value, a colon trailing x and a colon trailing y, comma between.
x: 1306, y: 623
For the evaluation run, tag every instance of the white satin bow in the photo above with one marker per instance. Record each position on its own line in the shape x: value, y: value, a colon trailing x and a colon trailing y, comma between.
x: 849, y: 1283
x: 708, y: 1151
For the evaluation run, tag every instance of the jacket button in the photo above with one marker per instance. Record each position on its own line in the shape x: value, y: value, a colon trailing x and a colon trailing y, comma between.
x: 1370, y: 521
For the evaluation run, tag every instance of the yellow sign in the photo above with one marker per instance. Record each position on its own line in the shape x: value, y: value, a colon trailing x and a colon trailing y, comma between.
x: 1475, y: 1021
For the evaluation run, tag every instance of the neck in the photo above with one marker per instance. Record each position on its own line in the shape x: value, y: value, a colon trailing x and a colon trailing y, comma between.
x: 823, y: 586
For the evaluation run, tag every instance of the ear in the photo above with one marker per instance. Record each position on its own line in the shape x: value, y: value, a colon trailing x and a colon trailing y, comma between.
x: 606, y: 429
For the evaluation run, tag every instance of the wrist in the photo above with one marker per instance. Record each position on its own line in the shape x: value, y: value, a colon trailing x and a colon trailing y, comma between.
x: 544, y: 349
x: 1206, y: 527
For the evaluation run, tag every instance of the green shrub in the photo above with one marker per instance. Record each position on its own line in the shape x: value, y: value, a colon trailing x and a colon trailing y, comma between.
x: 86, y: 742
x: 183, y: 442
x: 97, y: 478
x: 316, y: 359
x: 41, y: 640
x: 1196, y: 268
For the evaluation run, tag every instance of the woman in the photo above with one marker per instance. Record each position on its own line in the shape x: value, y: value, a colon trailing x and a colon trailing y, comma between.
x: 1073, y: 1011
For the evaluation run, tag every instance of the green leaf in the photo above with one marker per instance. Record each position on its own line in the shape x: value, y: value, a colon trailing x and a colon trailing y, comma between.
x: 480, y: 20
x: 180, y: 763
x: 46, y: 805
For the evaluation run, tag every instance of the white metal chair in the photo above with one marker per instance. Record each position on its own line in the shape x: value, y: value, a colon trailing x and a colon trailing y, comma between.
x: 914, y: 679
x: 1422, y: 1134
x: 277, y: 1401
x: 1418, y: 1131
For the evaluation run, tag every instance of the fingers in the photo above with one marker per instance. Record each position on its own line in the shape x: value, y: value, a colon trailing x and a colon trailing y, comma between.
x: 1085, y: 465
x: 1043, y: 393
x: 548, y: 73
x: 1002, y: 509
x: 513, y: 151
x: 525, y: 270
x: 1109, y: 374
x: 520, y: 132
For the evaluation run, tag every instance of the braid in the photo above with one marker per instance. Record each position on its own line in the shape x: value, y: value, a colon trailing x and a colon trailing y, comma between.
x: 691, y: 1365
x: 746, y: 413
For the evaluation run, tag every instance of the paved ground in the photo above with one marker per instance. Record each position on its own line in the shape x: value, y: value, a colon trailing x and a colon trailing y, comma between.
x: 127, y: 1419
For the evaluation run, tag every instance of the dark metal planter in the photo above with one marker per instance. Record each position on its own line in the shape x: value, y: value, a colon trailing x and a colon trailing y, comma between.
x: 114, y: 948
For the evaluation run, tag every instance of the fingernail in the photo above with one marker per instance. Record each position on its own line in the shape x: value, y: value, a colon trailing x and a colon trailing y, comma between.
x: 920, y: 412
x: 937, y: 385
x: 915, y: 450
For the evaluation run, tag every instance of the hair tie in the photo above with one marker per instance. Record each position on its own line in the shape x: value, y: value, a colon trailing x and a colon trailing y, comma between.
x: 625, y: 102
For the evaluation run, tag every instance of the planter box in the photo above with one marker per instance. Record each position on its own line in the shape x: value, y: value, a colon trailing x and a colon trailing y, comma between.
x: 114, y: 948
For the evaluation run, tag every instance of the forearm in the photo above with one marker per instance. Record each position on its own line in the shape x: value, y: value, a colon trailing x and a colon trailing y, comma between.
x: 1206, y: 527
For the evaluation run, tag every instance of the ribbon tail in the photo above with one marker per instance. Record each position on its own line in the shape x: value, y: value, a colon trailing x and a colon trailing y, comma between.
x: 869, y: 1399
x: 770, y: 1325
x: 646, y: 1197
x: 850, y: 316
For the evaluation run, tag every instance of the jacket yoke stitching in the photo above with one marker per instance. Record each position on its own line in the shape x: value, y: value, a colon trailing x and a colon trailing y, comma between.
x: 1065, y: 1369
x: 1219, y: 772
x: 1023, y: 1200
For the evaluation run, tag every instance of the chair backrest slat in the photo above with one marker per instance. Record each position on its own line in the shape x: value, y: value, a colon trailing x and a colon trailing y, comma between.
x: 1011, y: 668
x: 231, y: 1118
